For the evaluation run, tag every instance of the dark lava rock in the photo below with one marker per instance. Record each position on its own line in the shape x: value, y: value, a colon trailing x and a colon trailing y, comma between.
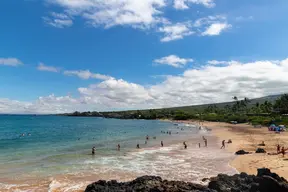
x: 260, y: 150
x: 265, y: 181
x: 241, y: 152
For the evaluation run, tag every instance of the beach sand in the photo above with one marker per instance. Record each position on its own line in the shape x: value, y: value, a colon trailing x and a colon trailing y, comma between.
x: 247, y: 137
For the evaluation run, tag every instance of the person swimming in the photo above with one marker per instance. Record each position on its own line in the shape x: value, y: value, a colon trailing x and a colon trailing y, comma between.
x: 137, y: 146
x: 223, y: 144
x: 118, y: 147
x: 93, y: 150
x: 162, y: 144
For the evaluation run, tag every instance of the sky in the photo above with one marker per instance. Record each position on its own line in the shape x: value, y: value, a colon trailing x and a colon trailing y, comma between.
x: 60, y: 56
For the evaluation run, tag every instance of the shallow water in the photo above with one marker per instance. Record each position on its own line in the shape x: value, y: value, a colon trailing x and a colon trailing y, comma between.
x: 54, y: 154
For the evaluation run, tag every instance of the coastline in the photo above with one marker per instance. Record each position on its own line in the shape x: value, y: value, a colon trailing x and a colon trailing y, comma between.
x: 248, y: 138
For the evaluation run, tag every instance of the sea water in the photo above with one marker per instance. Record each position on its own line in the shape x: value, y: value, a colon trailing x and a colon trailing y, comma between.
x: 53, y: 153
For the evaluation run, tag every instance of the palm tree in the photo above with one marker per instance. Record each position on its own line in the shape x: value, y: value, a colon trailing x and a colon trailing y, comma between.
x: 235, y: 98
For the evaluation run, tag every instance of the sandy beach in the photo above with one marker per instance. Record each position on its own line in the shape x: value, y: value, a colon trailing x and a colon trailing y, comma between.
x: 247, y: 137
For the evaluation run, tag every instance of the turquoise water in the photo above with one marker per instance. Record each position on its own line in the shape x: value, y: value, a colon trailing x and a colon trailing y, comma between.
x: 55, y: 151
x: 64, y: 139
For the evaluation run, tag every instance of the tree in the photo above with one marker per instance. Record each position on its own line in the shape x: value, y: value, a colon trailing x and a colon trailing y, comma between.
x: 281, y: 104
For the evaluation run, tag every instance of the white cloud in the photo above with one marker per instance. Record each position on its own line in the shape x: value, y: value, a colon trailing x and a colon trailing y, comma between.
x: 10, y: 62
x: 173, y: 60
x: 243, y: 18
x: 111, y: 12
x: 209, y: 84
x: 86, y: 74
x: 215, y: 62
x: 43, y: 67
x: 143, y: 15
x: 182, y: 4
x: 58, y: 20
x: 175, y: 31
x: 216, y: 29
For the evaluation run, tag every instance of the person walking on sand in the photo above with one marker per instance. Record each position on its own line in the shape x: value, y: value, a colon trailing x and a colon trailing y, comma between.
x: 93, y: 150
x: 278, y: 148
x: 185, y: 146
x: 283, y: 151
x: 199, y: 144
x: 162, y: 144
x: 223, y: 144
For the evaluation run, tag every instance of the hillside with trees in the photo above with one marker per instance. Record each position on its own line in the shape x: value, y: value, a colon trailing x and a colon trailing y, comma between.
x: 265, y: 110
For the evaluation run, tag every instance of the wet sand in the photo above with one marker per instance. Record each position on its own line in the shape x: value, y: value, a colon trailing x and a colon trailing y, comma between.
x: 248, y: 138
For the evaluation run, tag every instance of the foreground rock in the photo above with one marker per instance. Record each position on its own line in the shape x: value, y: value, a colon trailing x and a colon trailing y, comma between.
x: 265, y: 181
x: 241, y: 152
x: 260, y: 150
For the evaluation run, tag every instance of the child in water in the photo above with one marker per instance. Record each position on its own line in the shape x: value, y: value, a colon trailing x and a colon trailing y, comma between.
x: 93, y: 151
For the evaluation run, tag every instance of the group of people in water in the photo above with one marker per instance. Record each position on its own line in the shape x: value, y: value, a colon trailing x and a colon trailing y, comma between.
x: 161, y: 143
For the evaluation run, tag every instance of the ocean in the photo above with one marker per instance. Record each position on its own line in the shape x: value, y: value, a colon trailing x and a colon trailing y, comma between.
x: 53, y: 153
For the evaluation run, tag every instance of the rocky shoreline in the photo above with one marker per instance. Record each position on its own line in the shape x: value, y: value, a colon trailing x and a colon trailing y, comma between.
x: 264, y: 181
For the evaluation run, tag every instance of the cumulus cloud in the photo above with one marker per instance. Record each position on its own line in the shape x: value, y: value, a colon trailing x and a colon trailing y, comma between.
x: 86, y: 74
x: 111, y: 13
x: 173, y: 60
x: 10, y: 62
x: 175, y: 31
x: 143, y: 15
x: 183, y: 4
x: 216, y: 29
x: 209, y: 84
x: 43, y: 67
x: 58, y: 20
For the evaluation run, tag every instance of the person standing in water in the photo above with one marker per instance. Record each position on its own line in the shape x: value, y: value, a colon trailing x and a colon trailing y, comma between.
x: 185, y: 146
x: 223, y: 144
x: 93, y: 150
x: 118, y: 147
x: 162, y: 144
x: 138, y: 147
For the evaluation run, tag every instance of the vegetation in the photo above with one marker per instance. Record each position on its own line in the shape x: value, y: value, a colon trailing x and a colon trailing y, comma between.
x: 271, y: 109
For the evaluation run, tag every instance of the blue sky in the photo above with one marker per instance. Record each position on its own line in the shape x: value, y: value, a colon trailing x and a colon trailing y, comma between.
x: 66, y: 55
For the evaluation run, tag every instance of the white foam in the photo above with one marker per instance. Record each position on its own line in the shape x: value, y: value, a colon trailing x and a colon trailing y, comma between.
x: 65, y: 186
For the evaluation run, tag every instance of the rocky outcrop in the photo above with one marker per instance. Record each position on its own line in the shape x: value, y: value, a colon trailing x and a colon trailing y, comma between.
x: 265, y: 181
x: 241, y: 152
x: 260, y: 150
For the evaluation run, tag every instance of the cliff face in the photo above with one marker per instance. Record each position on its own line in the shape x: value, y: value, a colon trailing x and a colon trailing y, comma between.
x: 265, y: 181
